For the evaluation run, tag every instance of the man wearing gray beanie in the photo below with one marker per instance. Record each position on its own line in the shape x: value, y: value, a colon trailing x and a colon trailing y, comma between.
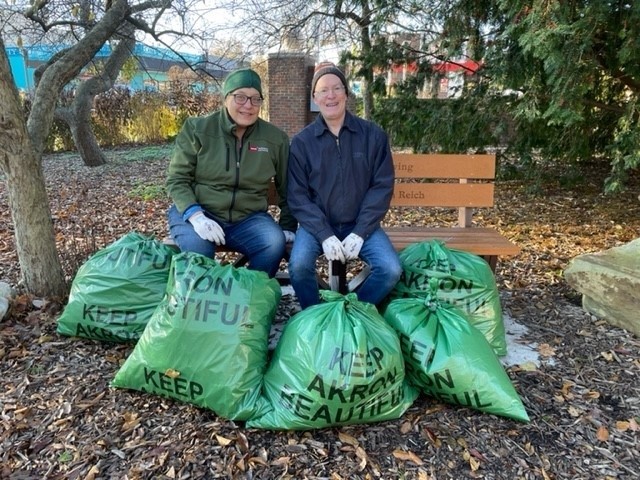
x: 340, y: 186
x: 219, y: 176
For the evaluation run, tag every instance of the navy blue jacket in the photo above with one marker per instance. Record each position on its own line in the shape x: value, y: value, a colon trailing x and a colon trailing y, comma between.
x: 340, y: 180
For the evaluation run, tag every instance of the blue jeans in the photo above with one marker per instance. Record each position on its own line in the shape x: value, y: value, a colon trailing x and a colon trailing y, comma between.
x: 377, y: 251
x: 258, y: 237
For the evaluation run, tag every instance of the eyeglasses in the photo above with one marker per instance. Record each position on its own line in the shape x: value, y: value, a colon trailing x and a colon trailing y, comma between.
x: 241, y: 99
x: 325, y: 92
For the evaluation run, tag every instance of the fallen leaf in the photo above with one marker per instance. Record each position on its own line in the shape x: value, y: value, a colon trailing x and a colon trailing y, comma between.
x: 477, y: 454
x: 435, y: 409
x: 281, y: 461
x: 546, y: 350
x: 623, y: 426
x: 574, y: 412
x: 603, y: 434
x: 592, y: 395
x: 407, y: 456
x: 243, y: 442
x: 433, y: 438
x: 171, y: 373
x: 348, y: 439
x: 91, y: 474
x: 362, y: 455
x: 608, y: 356
x: 222, y: 441
x: 131, y: 421
x: 474, y: 463
x: 566, y: 386
x: 258, y: 460
x: 528, y: 366
x: 405, y: 427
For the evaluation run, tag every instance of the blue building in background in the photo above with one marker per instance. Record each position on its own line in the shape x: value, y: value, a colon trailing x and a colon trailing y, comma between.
x: 152, y: 72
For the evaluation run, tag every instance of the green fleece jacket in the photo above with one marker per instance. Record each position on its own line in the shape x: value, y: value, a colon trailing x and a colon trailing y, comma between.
x: 226, y: 177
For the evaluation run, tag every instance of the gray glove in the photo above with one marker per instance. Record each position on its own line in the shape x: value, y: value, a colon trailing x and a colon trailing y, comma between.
x: 333, y: 249
x: 289, y: 236
x: 206, y: 228
x: 352, y: 245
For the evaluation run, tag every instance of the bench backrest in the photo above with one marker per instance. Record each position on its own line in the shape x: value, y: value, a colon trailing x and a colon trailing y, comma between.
x: 444, y: 180
x: 439, y: 180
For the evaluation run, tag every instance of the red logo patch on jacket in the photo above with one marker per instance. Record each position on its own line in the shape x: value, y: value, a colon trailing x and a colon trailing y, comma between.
x: 256, y: 148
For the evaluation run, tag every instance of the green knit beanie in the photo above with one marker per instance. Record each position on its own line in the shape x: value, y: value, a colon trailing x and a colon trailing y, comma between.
x: 243, y: 78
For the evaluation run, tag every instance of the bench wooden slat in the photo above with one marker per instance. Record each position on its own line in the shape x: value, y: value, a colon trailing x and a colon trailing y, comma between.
x: 416, y: 165
x: 442, y: 195
x: 480, y: 241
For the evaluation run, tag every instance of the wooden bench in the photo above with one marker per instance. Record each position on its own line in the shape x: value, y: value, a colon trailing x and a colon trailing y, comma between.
x: 461, y: 182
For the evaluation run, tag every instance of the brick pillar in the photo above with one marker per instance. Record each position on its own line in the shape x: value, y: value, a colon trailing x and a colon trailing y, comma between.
x: 288, y: 90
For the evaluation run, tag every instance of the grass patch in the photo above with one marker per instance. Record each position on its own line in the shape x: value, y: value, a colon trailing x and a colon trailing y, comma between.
x: 148, y: 192
x: 142, y: 154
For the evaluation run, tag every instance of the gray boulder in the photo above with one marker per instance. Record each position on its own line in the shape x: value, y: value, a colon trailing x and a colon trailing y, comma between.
x: 609, y: 282
x: 5, y: 297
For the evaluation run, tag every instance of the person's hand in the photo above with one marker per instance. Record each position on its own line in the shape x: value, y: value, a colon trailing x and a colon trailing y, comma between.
x: 206, y: 228
x: 352, y: 245
x: 289, y: 236
x: 333, y: 249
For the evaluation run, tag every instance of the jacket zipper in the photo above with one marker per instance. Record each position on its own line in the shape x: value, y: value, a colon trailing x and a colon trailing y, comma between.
x: 237, y: 182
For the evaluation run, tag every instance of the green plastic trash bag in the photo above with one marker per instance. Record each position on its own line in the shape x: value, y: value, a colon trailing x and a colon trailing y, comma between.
x: 446, y: 357
x: 337, y: 363
x: 206, y: 343
x: 115, y: 292
x: 465, y: 280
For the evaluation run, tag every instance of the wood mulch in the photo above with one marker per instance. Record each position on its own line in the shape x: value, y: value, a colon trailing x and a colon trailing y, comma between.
x: 60, y: 419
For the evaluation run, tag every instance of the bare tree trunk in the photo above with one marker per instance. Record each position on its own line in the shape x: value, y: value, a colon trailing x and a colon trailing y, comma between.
x: 367, y: 69
x: 58, y: 74
x: 28, y: 201
x: 87, y: 143
x: 78, y: 116
x: 21, y: 148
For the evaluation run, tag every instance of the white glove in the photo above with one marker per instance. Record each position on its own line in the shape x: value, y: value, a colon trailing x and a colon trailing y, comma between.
x: 333, y: 249
x: 352, y: 245
x: 206, y: 228
x: 289, y: 236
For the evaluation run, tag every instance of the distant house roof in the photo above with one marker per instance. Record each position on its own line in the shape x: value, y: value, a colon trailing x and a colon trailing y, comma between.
x: 161, y: 60
x: 151, y: 58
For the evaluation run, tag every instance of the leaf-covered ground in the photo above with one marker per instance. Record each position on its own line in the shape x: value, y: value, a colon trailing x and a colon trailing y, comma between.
x: 60, y: 419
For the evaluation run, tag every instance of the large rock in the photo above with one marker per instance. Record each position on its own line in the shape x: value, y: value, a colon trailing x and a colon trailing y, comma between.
x: 5, y: 297
x: 610, y: 284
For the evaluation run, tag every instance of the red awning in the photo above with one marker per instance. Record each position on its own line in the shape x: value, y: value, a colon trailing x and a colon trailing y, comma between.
x: 464, y: 66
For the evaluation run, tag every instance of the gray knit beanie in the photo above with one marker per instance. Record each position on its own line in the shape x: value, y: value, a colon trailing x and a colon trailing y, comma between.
x: 324, y: 68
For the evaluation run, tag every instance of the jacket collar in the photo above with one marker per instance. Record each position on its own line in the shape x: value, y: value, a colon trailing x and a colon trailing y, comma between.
x: 320, y: 126
x: 228, y: 125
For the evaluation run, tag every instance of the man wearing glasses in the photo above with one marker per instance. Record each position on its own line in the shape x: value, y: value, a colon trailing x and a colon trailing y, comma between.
x: 219, y: 176
x: 340, y: 186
